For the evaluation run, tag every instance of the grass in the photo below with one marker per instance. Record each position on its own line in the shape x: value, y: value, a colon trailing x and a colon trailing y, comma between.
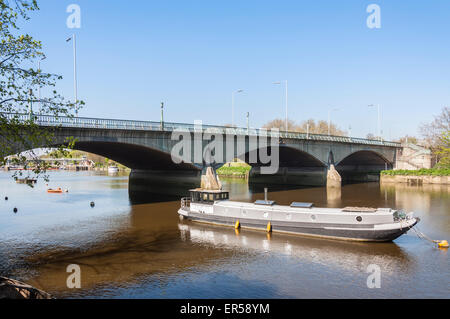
x: 420, y: 172
x: 236, y: 169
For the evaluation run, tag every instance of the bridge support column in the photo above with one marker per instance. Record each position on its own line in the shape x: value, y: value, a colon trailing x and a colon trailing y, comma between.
x: 333, y: 178
x: 146, y: 186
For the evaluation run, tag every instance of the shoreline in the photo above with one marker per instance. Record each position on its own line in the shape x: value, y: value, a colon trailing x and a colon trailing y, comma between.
x: 415, y: 179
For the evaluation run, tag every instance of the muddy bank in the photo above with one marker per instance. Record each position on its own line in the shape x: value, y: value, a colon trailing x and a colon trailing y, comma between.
x: 14, y: 289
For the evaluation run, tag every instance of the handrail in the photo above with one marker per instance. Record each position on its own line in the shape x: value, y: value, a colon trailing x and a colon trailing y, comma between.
x: 116, y: 124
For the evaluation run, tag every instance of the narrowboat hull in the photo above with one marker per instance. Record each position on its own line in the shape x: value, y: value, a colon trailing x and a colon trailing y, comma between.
x: 377, y: 231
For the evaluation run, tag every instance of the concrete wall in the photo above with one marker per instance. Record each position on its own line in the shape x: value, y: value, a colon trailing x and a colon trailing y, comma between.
x: 413, y: 157
x: 415, y: 180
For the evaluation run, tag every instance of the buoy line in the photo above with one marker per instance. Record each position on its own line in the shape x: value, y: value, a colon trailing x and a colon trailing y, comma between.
x: 421, y: 235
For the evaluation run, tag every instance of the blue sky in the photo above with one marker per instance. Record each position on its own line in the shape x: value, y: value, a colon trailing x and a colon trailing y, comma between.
x: 192, y: 54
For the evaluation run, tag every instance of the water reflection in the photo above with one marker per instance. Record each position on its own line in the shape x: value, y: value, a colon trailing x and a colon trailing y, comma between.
x: 334, y: 197
x: 431, y: 202
x: 347, y: 256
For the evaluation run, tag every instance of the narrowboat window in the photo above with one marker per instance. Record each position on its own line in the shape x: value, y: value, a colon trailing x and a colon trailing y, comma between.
x: 205, y: 196
x: 211, y: 197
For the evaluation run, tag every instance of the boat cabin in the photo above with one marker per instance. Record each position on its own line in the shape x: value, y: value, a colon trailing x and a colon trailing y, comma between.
x: 206, y: 196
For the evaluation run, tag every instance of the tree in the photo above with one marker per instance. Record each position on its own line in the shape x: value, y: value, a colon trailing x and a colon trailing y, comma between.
x: 432, y: 132
x: 408, y: 139
x: 19, y: 81
x: 311, y: 126
x: 280, y: 124
x: 444, y: 151
x: 321, y: 127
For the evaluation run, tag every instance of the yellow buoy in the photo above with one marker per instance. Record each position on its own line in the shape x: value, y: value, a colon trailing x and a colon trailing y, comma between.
x: 269, y: 227
x: 237, y: 225
x: 443, y: 244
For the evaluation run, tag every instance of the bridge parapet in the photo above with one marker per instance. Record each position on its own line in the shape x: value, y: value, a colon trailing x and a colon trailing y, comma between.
x: 116, y: 124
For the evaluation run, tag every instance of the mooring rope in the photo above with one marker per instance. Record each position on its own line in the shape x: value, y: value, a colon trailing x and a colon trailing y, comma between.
x: 421, y: 235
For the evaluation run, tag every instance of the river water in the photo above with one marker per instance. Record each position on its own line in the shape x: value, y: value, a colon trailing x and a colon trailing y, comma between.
x: 128, y: 250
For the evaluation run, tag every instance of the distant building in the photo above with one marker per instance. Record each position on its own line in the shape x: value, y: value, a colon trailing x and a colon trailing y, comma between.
x: 413, y: 157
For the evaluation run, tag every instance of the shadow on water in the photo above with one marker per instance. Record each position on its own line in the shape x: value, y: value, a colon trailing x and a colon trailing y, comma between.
x: 145, y: 187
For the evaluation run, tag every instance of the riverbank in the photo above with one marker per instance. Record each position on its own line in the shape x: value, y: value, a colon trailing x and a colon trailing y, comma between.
x: 416, y: 177
x: 14, y: 289
x: 234, y: 170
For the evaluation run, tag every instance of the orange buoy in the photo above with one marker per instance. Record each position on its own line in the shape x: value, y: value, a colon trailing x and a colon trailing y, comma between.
x: 443, y: 244
x: 269, y: 227
x: 237, y: 225
x: 58, y: 190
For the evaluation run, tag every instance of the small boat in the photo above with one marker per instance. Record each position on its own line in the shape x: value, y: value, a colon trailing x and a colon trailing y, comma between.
x: 57, y: 190
x: 113, y: 169
x: 26, y: 180
x: 348, y: 223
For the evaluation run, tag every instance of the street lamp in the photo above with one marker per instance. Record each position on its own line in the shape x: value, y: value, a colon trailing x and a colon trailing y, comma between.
x: 162, y: 116
x: 379, y: 120
x: 286, y: 96
x: 329, y: 119
x: 74, y: 41
x: 232, y: 105
x: 39, y: 84
x: 30, y: 113
x: 248, y: 126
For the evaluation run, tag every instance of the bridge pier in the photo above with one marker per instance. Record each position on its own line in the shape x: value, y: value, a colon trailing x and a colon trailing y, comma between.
x: 333, y: 178
x: 161, y: 185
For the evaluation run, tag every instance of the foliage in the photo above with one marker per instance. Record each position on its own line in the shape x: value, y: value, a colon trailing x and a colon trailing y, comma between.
x: 234, y: 170
x: 311, y: 126
x: 408, y: 139
x: 444, y: 151
x: 419, y: 172
x: 19, y: 82
x: 434, y: 131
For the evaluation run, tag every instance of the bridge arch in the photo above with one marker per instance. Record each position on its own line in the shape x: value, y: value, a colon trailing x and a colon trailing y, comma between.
x: 290, y: 157
x: 363, y: 166
x: 364, y: 158
x: 132, y: 155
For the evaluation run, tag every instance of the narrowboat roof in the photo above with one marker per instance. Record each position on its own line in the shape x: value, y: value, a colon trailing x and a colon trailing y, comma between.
x: 284, y: 208
x: 201, y: 190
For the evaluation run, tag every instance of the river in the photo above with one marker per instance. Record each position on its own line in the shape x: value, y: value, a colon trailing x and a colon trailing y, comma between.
x: 142, y: 250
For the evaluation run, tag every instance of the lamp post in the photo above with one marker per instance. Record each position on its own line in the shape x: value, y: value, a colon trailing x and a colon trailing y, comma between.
x: 248, y: 126
x: 162, y: 116
x: 39, y: 84
x: 74, y: 42
x: 378, y: 121
x: 232, y: 105
x: 329, y: 120
x: 286, y: 98
x: 30, y: 113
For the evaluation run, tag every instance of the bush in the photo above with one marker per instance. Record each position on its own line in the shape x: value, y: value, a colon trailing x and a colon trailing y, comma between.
x: 420, y: 172
x: 233, y: 170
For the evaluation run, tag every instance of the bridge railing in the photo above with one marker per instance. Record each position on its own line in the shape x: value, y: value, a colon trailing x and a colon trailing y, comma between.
x: 114, y: 124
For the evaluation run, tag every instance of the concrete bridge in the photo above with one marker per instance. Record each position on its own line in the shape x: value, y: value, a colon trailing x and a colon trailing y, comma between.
x: 146, y: 147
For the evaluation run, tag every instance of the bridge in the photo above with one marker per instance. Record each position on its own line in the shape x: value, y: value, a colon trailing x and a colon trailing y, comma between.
x: 146, y: 146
